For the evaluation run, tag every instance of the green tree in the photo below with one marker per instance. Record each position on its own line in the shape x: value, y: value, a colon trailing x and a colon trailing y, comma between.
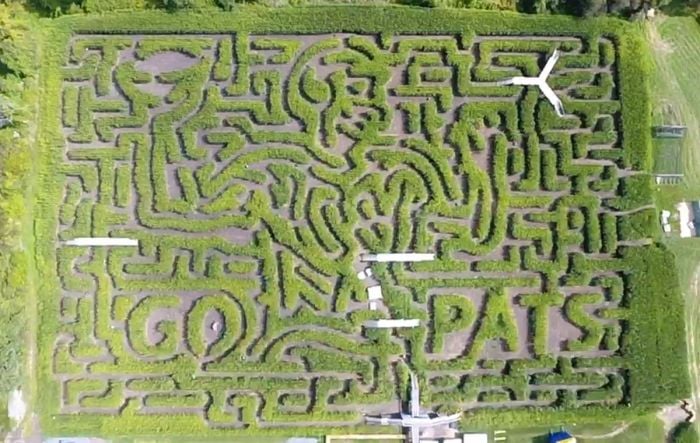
x: 685, y: 433
x: 15, y: 55
x: 173, y: 5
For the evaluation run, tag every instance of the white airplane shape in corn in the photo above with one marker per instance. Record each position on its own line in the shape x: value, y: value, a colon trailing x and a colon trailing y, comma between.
x: 541, y: 82
x: 415, y: 421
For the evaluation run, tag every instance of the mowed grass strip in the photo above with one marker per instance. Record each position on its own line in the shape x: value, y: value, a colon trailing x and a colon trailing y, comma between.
x: 676, y: 45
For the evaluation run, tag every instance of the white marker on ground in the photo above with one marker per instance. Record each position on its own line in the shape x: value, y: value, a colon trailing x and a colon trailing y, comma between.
x: 398, y: 257
x: 374, y: 293
x: 367, y: 272
x: 541, y: 82
x: 16, y: 406
x: 102, y: 241
x: 384, y: 323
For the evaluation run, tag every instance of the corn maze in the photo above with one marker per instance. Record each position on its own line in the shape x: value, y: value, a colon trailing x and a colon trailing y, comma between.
x: 255, y: 168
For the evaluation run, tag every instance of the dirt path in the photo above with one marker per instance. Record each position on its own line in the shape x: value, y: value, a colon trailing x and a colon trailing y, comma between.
x: 29, y: 429
x: 692, y: 309
x: 617, y: 431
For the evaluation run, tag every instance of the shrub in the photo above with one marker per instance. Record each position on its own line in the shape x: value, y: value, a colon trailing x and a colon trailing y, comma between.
x: 577, y: 315
x: 97, y: 6
x: 19, y: 91
x: 654, y: 345
x: 450, y: 313
x: 228, y: 5
x: 634, y: 191
x: 174, y: 5
x: 685, y: 433
x: 638, y: 225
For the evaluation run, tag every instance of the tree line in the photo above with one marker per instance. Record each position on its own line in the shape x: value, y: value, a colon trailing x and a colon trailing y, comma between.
x: 580, y: 8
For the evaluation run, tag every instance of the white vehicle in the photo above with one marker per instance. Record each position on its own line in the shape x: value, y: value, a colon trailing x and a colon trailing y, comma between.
x: 541, y: 82
x: 415, y: 421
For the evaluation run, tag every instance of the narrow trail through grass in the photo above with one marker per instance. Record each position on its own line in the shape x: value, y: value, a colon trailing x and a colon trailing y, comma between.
x: 615, y: 432
x: 692, y: 326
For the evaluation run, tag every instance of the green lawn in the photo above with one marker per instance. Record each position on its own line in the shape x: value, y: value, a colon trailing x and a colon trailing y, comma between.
x: 675, y: 42
x: 668, y: 157
x: 649, y: 430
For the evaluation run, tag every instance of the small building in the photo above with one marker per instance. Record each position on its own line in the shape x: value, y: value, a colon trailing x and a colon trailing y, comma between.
x: 689, y: 218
